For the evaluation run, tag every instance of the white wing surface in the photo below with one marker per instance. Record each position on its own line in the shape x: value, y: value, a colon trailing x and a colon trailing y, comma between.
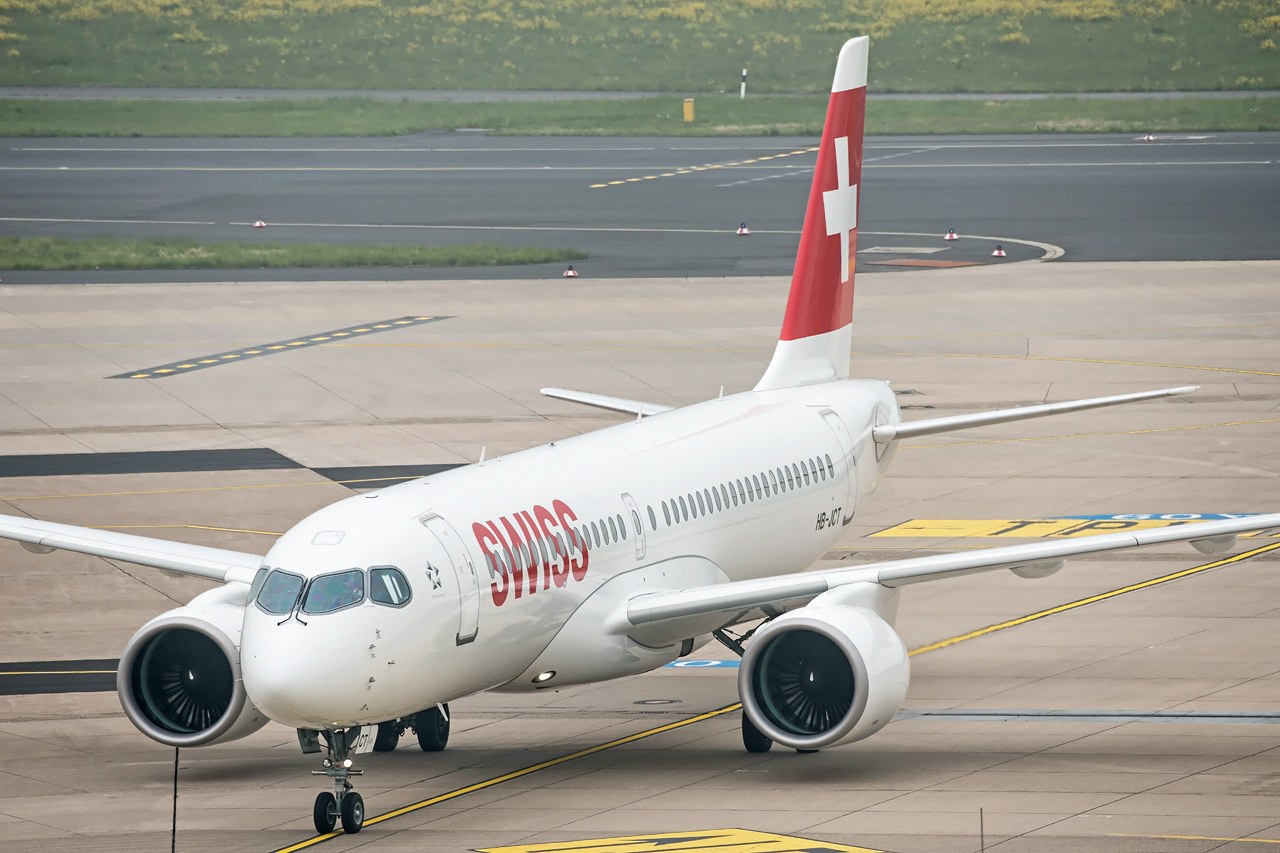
x: 884, y: 433
x: 600, y: 401
x: 690, y: 612
x: 213, y: 563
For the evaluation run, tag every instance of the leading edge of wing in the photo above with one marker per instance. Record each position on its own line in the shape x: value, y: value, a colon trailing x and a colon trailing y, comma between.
x: 601, y: 401
x: 1039, y: 557
x: 213, y: 563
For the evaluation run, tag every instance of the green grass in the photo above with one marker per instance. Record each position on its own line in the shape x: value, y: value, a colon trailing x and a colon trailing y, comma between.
x: 716, y: 116
x: 177, y: 253
x: 649, y: 45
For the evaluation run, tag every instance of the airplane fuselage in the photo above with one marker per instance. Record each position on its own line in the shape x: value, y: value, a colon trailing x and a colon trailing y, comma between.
x: 514, y: 564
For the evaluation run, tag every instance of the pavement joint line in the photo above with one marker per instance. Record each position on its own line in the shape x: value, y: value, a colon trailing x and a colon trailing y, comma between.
x: 533, y: 768
x: 260, y: 350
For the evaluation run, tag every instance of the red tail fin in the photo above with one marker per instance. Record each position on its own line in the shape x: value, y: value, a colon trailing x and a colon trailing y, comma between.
x: 816, y: 331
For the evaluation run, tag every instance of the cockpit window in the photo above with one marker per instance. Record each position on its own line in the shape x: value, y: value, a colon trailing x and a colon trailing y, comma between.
x: 258, y: 580
x: 279, y: 592
x: 334, y: 592
x: 388, y: 586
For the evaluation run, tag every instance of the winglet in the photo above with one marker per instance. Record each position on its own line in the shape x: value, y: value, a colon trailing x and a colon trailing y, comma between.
x: 814, y: 344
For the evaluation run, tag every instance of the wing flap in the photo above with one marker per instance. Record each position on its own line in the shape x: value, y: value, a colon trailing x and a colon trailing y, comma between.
x: 884, y: 433
x: 601, y: 401
x: 199, y: 560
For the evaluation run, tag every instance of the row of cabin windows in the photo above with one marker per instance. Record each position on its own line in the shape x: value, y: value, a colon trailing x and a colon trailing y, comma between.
x: 748, y: 489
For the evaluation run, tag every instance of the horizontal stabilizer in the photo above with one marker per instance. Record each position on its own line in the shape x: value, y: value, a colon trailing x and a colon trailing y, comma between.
x: 600, y: 401
x: 213, y: 563
x: 884, y: 433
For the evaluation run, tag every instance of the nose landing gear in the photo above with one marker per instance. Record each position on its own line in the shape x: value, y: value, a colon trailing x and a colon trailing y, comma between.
x: 344, y: 803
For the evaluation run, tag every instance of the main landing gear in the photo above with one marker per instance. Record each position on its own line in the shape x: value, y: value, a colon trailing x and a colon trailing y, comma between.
x: 343, y: 803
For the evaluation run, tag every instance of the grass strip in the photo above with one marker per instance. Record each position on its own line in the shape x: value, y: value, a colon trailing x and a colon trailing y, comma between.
x: 181, y: 253
x: 657, y: 116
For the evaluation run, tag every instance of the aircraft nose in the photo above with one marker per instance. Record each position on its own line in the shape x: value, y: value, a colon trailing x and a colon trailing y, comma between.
x: 295, y: 683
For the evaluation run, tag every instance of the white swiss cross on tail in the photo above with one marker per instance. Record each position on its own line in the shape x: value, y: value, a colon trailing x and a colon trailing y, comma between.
x: 841, y: 205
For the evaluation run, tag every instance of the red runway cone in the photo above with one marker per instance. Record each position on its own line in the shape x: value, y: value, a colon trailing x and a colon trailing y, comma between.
x: 951, y: 234
x: 570, y: 272
x: 743, y: 229
x: 1149, y: 138
x: 259, y: 224
x: 999, y: 252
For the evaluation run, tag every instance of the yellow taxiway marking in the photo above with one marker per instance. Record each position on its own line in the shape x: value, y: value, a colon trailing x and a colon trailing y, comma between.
x: 719, y: 840
x: 1195, y: 838
x: 1094, y: 599
x: 736, y: 706
x: 689, y: 170
x: 64, y: 672
x: 1024, y: 528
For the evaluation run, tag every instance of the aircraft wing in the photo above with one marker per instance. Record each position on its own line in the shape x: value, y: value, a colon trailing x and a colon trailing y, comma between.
x: 671, y: 616
x: 884, y: 433
x: 217, y: 564
x: 600, y: 401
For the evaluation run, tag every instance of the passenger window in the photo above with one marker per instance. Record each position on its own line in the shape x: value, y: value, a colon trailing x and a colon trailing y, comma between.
x: 791, y: 481
x: 388, y: 586
x: 595, y: 533
x: 279, y: 592
x: 258, y: 580
x: 740, y: 493
x: 706, y: 493
x: 653, y: 519
x: 622, y: 527
x: 775, y: 482
x: 755, y: 481
x: 328, y: 593
x: 701, y: 507
x: 666, y: 513
x: 613, y: 530
x: 831, y: 469
x: 716, y: 493
x: 684, y: 510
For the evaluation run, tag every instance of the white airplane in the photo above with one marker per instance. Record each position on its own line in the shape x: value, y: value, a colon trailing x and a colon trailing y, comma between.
x: 594, y: 557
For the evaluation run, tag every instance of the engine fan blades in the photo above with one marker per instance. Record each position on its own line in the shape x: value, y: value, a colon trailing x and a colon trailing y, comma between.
x: 185, y: 681
x: 805, y: 682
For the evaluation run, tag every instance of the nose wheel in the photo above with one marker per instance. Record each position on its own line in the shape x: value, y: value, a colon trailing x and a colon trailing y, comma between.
x: 344, y: 804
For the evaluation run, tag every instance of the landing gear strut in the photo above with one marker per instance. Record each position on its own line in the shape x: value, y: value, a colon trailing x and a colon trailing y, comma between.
x: 343, y: 803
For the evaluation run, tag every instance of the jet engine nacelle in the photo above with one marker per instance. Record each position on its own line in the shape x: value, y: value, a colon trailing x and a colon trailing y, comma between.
x: 179, y: 677
x: 823, y: 675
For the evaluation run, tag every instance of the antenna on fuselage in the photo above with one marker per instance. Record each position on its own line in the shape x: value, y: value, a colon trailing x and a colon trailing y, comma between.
x: 482, y: 450
x: 721, y: 392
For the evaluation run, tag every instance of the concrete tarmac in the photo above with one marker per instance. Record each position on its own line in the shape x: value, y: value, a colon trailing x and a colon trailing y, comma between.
x: 652, y: 207
x: 1118, y: 777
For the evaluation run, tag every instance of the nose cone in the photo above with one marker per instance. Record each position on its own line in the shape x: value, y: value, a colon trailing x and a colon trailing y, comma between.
x: 293, y: 676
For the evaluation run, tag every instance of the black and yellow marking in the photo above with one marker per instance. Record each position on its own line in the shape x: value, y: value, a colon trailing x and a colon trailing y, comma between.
x: 718, y: 840
x: 737, y: 706
x: 689, y: 170
x: 175, y: 368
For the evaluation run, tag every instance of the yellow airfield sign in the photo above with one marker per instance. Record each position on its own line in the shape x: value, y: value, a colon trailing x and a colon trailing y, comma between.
x: 1022, y: 528
x: 710, y: 840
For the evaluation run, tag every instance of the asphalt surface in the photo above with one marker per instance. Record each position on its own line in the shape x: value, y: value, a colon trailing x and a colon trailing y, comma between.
x: 177, y: 93
x: 653, y: 207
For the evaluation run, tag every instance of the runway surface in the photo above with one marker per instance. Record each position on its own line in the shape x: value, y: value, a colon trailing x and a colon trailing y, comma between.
x: 654, y: 207
x: 1124, y: 705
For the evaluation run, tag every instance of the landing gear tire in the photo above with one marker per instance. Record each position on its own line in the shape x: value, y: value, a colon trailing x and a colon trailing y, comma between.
x: 325, y: 813
x: 752, y: 738
x: 388, y: 737
x: 432, y: 728
x: 352, y: 813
